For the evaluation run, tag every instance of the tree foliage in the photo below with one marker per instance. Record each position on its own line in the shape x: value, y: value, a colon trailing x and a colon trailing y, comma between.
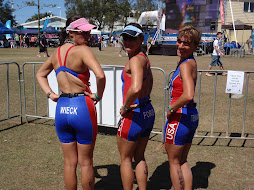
x: 100, y: 12
x: 6, y: 13
x: 35, y: 16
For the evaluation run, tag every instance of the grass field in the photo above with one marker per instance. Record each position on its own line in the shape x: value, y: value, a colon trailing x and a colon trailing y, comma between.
x: 31, y: 156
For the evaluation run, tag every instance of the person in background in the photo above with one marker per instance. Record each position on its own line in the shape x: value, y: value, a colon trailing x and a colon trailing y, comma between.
x: 149, y: 44
x: 27, y: 40
x: 137, y: 112
x: 76, y: 118
x: 249, y: 44
x: 16, y: 39
x: 12, y: 42
x: 32, y: 41
x: 122, y: 48
x: 99, y: 43
x: 216, y: 59
x: 182, y: 115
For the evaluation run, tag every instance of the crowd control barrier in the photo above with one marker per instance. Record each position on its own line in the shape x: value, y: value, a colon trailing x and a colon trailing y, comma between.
x: 11, y: 88
x: 226, y: 133
x: 107, y: 109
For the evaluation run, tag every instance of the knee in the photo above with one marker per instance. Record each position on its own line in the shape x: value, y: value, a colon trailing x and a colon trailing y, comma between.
x: 86, y: 163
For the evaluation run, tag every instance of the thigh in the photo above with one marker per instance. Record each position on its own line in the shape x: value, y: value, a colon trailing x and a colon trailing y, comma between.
x: 126, y: 148
x: 174, y: 152
x: 85, y: 153
x: 140, y: 149
x: 70, y: 153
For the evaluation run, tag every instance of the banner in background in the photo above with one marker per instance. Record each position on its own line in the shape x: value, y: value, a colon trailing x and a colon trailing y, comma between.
x: 222, y: 12
x: 8, y: 25
x: 201, y: 14
x: 46, y: 23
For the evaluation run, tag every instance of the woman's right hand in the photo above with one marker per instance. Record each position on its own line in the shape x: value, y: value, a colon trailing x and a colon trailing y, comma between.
x: 54, y: 97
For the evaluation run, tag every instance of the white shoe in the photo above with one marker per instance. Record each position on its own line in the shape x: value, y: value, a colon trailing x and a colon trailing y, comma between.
x: 120, y: 55
x: 38, y: 56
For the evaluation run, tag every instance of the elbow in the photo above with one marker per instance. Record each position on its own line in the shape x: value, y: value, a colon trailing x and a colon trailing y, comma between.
x: 189, y: 97
x: 136, y: 90
x: 101, y: 77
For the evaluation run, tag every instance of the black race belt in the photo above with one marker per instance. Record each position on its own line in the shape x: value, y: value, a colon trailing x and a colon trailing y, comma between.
x: 141, y: 105
x: 71, y: 95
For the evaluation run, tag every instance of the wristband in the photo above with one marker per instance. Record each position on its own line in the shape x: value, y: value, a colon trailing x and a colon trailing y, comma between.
x: 97, y: 97
x: 170, y: 109
x: 125, y: 108
x: 48, y: 94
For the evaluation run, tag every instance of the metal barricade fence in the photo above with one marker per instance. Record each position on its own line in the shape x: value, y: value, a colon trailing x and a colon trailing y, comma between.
x: 243, y: 134
x: 9, y: 116
x: 100, y: 109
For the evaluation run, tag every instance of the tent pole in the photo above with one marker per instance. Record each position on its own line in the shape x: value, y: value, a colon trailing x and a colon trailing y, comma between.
x: 233, y: 22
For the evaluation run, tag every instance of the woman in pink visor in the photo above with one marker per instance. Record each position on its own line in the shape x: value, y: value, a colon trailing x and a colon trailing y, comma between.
x: 76, y: 118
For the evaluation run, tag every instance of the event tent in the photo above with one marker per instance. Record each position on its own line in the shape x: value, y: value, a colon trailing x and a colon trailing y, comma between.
x: 5, y: 30
x: 27, y: 31
x: 239, y: 25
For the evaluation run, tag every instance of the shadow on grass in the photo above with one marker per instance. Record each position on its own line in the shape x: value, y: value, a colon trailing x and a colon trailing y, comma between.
x: 161, y: 176
x: 107, y: 130
x: 112, y: 180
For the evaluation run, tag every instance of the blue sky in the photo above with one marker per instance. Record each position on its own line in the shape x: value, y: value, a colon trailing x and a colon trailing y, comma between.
x: 21, y: 15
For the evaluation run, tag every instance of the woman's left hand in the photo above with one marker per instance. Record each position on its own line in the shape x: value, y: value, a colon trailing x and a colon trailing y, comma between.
x: 92, y: 96
x: 122, y: 111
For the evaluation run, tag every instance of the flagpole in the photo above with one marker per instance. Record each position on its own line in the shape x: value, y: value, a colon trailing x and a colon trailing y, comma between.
x: 233, y: 22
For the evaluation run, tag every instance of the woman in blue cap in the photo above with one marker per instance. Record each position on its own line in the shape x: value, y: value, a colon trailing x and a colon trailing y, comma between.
x: 137, y: 112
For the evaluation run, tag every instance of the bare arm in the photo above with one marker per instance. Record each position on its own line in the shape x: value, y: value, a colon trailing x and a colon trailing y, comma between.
x: 136, y: 67
x: 188, y: 87
x: 41, y: 76
x: 90, y: 60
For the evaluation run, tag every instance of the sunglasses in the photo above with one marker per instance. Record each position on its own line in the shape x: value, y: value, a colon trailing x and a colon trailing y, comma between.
x: 129, y: 38
x: 186, y: 43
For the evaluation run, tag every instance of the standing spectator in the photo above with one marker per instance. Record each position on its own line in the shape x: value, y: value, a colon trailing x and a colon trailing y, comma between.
x: 16, y: 39
x: 12, y: 42
x: 32, y: 41
x: 20, y: 40
x: 26, y: 41
x: 111, y: 41
x: 122, y: 48
x: 216, y: 59
x: 249, y: 44
x: 182, y: 115
x: 99, y: 43
x: 149, y: 44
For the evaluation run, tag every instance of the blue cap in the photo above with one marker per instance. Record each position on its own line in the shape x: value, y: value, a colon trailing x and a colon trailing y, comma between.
x: 132, y: 31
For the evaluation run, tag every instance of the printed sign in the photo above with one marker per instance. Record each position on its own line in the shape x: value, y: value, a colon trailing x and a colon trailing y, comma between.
x: 235, y: 81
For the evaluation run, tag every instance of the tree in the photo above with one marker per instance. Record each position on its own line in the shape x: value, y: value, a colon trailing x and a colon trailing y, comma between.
x: 100, y: 12
x: 35, y: 16
x: 6, y: 13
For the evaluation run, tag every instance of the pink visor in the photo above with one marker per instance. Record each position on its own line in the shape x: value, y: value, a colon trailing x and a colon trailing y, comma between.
x: 81, y: 24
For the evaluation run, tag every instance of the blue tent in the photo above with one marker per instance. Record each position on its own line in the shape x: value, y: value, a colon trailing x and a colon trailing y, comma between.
x: 5, y: 30
x: 27, y: 31
x: 50, y: 30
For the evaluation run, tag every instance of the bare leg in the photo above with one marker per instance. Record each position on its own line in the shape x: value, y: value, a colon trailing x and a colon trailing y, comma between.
x: 186, y: 170
x: 70, y: 165
x: 141, y: 166
x: 85, y: 159
x: 209, y: 68
x: 126, y: 149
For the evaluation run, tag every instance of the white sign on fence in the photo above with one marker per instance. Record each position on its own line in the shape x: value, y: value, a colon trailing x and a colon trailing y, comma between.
x: 235, y: 81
